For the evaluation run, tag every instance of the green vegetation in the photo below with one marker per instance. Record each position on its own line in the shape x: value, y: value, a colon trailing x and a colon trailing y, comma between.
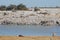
x: 10, y: 7
x: 36, y: 9
x: 3, y: 7
x: 21, y: 7
x: 13, y: 7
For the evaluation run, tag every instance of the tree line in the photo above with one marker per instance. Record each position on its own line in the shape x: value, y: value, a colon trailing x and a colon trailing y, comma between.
x: 13, y: 7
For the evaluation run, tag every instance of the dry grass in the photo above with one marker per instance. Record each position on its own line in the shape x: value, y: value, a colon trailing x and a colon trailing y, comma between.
x: 29, y: 38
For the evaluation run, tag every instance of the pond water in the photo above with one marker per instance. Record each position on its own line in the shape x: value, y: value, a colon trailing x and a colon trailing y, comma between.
x: 28, y: 30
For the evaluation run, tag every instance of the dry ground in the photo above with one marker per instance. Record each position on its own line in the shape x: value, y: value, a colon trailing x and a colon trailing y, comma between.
x: 29, y: 38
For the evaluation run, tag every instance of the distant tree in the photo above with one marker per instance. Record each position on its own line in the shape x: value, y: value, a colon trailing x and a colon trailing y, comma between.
x: 11, y: 7
x: 57, y: 6
x: 36, y: 9
x: 2, y: 7
x: 21, y: 7
x: 14, y: 7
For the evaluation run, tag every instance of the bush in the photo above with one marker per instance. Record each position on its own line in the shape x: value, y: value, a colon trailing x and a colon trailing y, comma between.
x: 36, y: 9
x: 3, y: 7
x: 21, y: 7
x: 11, y: 7
x: 14, y: 7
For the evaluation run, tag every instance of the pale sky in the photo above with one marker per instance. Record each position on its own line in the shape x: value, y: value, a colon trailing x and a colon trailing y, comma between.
x: 32, y: 3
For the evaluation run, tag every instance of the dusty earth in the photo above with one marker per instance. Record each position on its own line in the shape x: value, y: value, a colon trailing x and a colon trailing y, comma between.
x: 30, y: 38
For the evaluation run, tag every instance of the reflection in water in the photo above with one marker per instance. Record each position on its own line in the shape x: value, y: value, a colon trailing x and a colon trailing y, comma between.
x: 29, y: 30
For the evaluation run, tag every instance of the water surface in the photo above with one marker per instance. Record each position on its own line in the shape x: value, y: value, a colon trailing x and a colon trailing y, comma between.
x: 29, y: 30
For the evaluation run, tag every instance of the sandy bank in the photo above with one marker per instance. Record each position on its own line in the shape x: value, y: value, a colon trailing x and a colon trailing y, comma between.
x: 30, y: 38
